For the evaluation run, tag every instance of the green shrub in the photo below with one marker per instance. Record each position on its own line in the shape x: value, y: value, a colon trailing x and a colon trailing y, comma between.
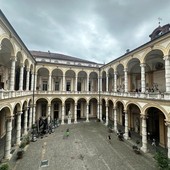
x: 22, y: 145
x: 162, y: 160
x: 4, y: 167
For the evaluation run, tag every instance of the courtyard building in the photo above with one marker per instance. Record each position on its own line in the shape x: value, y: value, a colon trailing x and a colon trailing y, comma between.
x: 132, y: 91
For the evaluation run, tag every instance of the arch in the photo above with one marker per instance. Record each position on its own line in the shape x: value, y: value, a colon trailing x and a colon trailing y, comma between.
x: 7, y: 107
x: 7, y: 44
x: 43, y: 98
x: 82, y: 98
x: 130, y: 102
x: 118, y: 100
x: 146, y: 107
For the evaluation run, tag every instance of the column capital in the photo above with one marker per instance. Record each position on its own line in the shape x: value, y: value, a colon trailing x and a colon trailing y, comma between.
x: 125, y: 69
x: 167, y: 123
x: 13, y: 59
x: 143, y: 116
x: 19, y: 113
x: 49, y: 105
x: 114, y: 107
x: 21, y: 65
x: 9, y: 118
x: 166, y: 57
x: 115, y: 73
x: 125, y: 111
x: 27, y: 69
x: 142, y: 65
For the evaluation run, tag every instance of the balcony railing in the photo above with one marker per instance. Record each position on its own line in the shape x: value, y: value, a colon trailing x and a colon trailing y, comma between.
x: 157, y: 96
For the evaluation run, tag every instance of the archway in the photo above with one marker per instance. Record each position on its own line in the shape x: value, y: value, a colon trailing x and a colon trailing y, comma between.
x: 156, y: 128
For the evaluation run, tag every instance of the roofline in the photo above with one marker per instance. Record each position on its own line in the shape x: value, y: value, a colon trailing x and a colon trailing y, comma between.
x: 14, y: 32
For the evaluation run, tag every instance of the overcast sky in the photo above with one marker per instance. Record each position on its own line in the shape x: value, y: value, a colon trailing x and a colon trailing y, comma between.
x: 95, y: 30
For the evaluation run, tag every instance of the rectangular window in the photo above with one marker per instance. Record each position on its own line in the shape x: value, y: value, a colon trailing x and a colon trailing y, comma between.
x: 57, y: 86
x: 68, y: 87
x: 44, y: 86
x: 79, y: 86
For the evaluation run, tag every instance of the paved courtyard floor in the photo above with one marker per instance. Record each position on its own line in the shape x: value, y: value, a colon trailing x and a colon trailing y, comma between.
x: 87, y: 148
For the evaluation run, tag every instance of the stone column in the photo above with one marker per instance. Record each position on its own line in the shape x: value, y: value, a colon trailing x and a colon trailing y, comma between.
x: 33, y: 114
x: 30, y: 118
x: 76, y: 83
x: 115, y: 119
x: 126, y: 80
x: 167, y: 73
x: 49, y: 113
x: 144, y: 134
x: 12, y: 74
x: 64, y: 82
x: 27, y: 82
x: 75, y: 113
x: 168, y: 137
x: 87, y: 86
x: 18, y: 134
x: 21, y: 77
x: 107, y: 114
x: 101, y: 112
x: 115, y: 81
x: 35, y: 82
x: 143, y: 83
x: 87, y: 112
x: 25, y: 121
x: 62, y: 114
x: 32, y: 81
x: 98, y: 110
x: 98, y: 84
x: 49, y: 82
x: 126, y: 124
x: 7, y: 154
x: 107, y: 82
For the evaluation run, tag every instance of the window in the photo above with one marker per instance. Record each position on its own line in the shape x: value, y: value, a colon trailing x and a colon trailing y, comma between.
x: 79, y: 86
x: 68, y: 87
x: 57, y: 86
x: 44, y: 86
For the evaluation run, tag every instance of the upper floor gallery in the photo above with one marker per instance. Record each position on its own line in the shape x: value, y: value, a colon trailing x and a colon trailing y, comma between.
x: 142, y: 72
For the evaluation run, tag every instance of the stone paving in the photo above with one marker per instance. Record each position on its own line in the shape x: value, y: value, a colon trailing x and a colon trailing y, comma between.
x: 87, y: 148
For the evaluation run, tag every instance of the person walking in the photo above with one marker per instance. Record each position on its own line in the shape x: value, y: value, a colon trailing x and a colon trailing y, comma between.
x: 109, y: 138
x: 67, y: 133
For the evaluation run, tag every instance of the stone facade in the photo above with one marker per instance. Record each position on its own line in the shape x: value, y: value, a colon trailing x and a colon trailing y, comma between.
x: 132, y: 91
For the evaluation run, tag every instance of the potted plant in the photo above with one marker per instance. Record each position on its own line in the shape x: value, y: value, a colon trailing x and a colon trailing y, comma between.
x: 20, y: 153
x: 4, y: 166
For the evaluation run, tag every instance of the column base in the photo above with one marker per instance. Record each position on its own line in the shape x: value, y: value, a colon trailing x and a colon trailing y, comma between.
x: 62, y: 123
x: 145, y: 150
x: 75, y: 122
x: 18, y: 143
x: 5, y: 159
x: 87, y: 120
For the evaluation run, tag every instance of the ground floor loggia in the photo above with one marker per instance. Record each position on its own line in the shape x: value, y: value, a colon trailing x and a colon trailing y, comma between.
x: 148, y: 123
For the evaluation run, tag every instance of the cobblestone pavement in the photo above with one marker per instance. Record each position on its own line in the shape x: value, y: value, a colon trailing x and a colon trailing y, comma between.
x: 87, y: 148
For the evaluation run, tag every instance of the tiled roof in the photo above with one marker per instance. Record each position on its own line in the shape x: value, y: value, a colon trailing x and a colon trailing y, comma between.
x: 58, y: 56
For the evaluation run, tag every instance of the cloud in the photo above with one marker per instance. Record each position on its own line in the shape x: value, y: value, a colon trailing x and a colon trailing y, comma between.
x: 95, y: 30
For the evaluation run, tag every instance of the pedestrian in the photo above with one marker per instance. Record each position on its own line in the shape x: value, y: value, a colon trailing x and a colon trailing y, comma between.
x: 67, y: 132
x: 109, y: 137
x: 153, y: 142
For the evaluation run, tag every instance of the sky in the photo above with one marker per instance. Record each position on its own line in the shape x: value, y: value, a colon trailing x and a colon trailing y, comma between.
x: 94, y: 30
